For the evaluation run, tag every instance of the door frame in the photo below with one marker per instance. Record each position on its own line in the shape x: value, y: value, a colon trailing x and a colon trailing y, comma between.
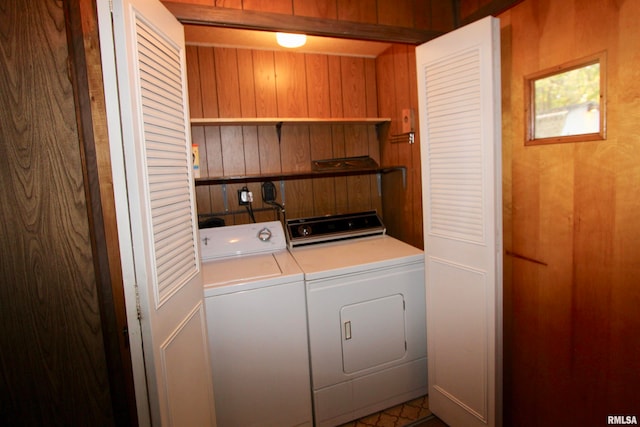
x: 124, y: 239
x: 81, y: 23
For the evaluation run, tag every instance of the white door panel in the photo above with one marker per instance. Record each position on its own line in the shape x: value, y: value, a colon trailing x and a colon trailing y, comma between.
x: 156, y: 210
x: 459, y: 107
x: 459, y: 350
x: 186, y: 403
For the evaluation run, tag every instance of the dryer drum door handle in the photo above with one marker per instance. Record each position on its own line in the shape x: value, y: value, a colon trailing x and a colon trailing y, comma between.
x: 347, y: 330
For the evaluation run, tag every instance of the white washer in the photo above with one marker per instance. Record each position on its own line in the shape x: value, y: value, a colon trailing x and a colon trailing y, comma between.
x: 367, y: 325
x: 256, y: 320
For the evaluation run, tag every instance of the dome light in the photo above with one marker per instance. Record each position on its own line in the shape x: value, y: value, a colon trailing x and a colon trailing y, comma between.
x: 291, y: 40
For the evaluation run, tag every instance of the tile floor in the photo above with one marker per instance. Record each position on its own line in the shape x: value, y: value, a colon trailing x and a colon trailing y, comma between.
x: 402, y: 415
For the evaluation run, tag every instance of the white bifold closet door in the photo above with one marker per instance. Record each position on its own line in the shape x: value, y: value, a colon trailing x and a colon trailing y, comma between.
x: 157, y: 216
x: 460, y: 132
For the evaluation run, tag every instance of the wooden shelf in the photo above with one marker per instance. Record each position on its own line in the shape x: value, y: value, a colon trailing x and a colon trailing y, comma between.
x: 279, y: 121
x: 258, y: 121
x: 297, y: 175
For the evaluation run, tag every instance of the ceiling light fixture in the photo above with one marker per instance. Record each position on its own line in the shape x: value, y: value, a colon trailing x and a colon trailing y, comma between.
x: 291, y: 40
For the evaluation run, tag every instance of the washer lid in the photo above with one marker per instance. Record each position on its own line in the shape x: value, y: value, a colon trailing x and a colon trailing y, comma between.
x: 247, y: 272
x: 232, y: 240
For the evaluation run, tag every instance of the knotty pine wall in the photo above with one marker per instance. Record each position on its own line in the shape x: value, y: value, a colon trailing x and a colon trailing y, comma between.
x: 572, y: 232
x: 229, y: 82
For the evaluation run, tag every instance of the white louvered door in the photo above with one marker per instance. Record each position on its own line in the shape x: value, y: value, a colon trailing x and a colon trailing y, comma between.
x: 460, y: 129
x: 156, y: 143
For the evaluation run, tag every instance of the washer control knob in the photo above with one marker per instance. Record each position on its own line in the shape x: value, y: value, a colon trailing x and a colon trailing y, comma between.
x: 264, y: 234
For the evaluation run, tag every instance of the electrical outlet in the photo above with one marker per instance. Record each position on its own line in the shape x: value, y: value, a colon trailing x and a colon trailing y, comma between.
x: 268, y: 192
x: 245, y: 196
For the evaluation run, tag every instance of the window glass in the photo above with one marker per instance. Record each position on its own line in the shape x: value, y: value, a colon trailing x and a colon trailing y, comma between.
x: 566, y: 102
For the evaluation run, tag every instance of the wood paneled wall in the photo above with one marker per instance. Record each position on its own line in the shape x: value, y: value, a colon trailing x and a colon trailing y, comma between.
x: 571, y: 225
x: 397, y: 91
x: 327, y: 95
x: 53, y: 368
x: 233, y: 83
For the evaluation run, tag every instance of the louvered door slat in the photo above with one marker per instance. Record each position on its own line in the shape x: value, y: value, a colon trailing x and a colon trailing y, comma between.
x: 167, y: 163
x: 162, y: 116
x: 453, y: 105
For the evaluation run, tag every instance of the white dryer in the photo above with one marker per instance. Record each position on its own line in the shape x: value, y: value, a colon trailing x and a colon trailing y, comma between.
x: 256, y: 319
x: 366, y: 315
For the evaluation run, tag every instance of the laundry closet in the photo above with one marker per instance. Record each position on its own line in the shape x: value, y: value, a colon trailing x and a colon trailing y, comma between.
x: 301, y: 134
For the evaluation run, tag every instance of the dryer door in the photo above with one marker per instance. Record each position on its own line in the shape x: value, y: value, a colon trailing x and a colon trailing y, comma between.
x: 373, y: 333
x: 358, y: 324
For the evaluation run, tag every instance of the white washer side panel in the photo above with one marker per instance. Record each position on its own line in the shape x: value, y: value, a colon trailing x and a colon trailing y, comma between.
x: 259, y: 355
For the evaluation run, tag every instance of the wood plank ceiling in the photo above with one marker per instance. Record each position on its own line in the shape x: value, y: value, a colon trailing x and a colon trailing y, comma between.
x: 196, y: 14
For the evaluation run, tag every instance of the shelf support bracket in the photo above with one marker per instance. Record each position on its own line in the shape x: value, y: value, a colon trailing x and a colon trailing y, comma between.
x: 394, y: 169
x: 282, y: 194
x: 381, y: 130
x: 224, y: 198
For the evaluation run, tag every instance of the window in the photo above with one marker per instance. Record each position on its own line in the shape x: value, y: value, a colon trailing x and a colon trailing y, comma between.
x: 567, y: 103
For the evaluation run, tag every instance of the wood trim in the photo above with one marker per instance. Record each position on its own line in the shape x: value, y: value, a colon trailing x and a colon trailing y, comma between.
x: 298, y: 175
x: 263, y: 21
x: 529, y: 97
x: 246, y: 121
x: 86, y: 76
x: 493, y: 8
